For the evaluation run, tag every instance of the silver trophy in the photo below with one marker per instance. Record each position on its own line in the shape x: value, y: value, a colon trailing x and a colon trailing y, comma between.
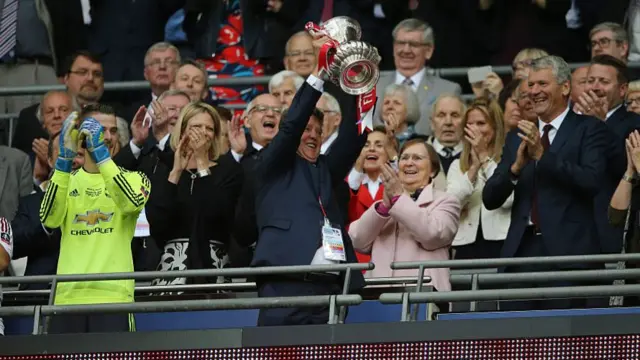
x: 349, y: 62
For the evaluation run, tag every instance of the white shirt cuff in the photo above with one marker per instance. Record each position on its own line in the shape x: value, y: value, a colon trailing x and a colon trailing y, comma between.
x: 316, y: 83
x: 135, y: 150
x: 355, y: 179
x: 236, y: 156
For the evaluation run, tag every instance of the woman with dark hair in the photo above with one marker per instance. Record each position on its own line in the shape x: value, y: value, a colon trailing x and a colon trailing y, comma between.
x: 508, y: 101
x: 191, y: 212
x: 413, y: 221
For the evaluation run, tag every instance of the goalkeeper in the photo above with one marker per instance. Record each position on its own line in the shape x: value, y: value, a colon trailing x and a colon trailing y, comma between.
x: 96, y: 208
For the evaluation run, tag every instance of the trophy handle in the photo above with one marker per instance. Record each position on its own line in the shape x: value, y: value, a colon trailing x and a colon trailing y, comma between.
x: 315, y: 29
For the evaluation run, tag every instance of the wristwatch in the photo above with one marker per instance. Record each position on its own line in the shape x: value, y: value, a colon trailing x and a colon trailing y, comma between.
x: 630, y: 179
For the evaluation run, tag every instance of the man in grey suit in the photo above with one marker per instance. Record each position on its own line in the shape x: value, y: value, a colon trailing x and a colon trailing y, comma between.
x: 413, y: 45
x: 16, y: 180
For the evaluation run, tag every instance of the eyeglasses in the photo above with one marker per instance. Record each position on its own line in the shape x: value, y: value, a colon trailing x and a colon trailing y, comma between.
x: 164, y: 63
x: 302, y: 53
x: 414, y: 157
x: 264, y: 109
x: 84, y: 72
x: 633, y: 101
x: 412, y: 44
x: 603, y: 42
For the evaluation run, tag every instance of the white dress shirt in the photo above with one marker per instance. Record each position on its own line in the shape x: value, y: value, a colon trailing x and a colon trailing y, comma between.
x: 416, y: 78
x: 439, y: 148
x: 555, y: 125
x: 357, y: 179
x: 135, y: 150
x: 238, y: 156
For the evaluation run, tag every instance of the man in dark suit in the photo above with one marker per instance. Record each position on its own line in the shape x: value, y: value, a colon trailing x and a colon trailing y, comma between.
x: 295, y: 203
x: 262, y: 118
x: 556, y: 170
x: 606, y: 88
x: 149, y: 152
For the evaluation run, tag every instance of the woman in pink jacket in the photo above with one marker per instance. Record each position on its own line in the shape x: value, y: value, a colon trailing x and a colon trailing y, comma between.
x: 413, y: 222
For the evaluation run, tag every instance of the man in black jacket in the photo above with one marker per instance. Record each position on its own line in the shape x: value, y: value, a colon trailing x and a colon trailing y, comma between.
x: 296, y: 210
x: 149, y: 152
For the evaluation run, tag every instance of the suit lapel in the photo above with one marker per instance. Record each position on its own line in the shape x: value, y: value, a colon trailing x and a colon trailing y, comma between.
x: 566, y: 129
x: 3, y: 173
x: 617, y: 117
x: 425, y: 85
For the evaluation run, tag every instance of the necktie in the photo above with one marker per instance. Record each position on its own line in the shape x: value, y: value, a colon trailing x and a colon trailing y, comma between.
x: 8, y: 28
x: 534, y: 204
x: 407, y: 81
x: 448, y: 152
x: 327, y: 10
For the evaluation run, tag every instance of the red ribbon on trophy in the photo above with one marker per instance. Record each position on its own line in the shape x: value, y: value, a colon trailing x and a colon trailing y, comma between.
x: 366, y: 108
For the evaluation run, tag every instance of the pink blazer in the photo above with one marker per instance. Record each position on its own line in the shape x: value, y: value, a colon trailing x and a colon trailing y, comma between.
x: 414, y: 231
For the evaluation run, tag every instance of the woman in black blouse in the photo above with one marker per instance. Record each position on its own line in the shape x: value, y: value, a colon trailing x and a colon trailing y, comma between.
x: 190, y: 213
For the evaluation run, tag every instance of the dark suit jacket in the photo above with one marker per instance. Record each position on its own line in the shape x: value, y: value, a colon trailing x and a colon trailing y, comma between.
x: 245, y: 230
x: 28, y: 129
x: 568, y: 177
x: 69, y: 30
x: 287, y: 209
x: 619, y: 124
x: 31, y: 240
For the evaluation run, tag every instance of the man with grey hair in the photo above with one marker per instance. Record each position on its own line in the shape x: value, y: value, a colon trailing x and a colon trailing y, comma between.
x: 554, y: 167
x: 609, y: 38
x: 148, y: 152
x: 413, y: 46
x: 284, y: 85
x: 332, y: 119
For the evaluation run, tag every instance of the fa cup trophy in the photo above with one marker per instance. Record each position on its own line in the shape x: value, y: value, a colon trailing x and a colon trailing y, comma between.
x: 347, y: 61
x: 350, y: 63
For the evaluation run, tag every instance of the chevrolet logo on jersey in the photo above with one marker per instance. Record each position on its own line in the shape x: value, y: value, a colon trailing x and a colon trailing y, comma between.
x: 92, y: 218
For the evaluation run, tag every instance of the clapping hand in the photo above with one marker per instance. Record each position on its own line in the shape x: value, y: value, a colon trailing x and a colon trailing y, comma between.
x: 392, y: 185
x: 140, y: 130
x: 92, y: 132
x: 68, y: 143
x: 237, y: 138
x: 633, y: 152
x: 531, y: 135
x: 589, y: 103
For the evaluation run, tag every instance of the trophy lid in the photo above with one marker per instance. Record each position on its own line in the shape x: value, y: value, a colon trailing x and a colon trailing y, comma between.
x: 342, y: 29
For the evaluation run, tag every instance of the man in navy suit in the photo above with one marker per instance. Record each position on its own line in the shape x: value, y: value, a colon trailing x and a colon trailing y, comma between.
x: 606, y: 88
x: 295, y: 205
x: 555, y: 167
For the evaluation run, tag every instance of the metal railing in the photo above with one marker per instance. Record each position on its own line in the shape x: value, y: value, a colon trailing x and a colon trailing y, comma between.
x: 336, y: 303
x: 410, y: 301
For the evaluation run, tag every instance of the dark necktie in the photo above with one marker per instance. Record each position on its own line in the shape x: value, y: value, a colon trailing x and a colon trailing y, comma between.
x: 534, y: 204
x: 448, y: 152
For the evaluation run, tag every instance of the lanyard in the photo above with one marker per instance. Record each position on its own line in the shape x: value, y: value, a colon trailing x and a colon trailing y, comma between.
x: 316, y: 187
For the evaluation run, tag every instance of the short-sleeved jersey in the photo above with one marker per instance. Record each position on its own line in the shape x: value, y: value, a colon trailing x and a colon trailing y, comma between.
x: 97, y: 215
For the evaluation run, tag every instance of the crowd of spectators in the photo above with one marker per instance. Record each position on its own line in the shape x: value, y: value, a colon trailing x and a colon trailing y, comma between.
x: 538, y: 163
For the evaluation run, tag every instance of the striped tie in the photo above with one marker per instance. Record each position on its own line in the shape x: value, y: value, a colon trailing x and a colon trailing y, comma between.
x: 8, y: 28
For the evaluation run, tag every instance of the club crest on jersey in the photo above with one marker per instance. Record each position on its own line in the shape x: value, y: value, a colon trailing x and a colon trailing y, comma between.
x: 92, y: 218
x: 144, y: 191
x: 5, y: 238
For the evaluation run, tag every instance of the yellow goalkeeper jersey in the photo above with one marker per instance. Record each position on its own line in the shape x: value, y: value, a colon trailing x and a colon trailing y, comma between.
x: 97, y: 215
